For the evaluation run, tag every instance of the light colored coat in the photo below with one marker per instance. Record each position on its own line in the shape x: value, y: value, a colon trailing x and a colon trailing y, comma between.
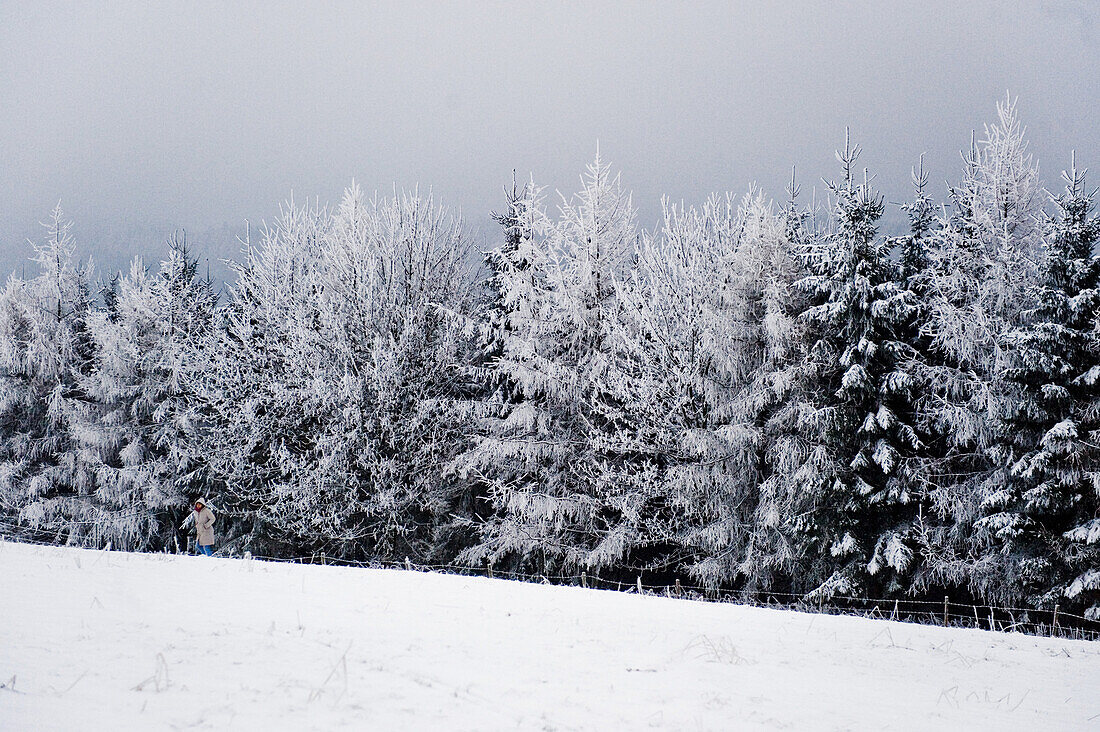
x: 204, y: 527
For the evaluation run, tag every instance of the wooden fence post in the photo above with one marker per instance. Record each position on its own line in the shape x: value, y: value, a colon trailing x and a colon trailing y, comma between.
x: 679, y: 592
x: 489, y: 567
x: 584, y: 579
x: 977, y: 623
x: 1054, y: 622
x: 408, y: 565
x: 639, y: 584
x: 945, y: 610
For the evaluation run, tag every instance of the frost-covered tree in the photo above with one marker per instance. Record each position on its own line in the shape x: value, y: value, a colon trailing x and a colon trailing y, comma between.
x: 977, y: 288
x: 1051, y: 500
x: 773, y: 559
x: 708, y: 330
x: 133, y: 431
x: 252, y: 379
x: 44, y: 351
x: 332, y: 383
x: 666, y: 464
x: 538, y: 453
x: 856, y: 480
x: 392, y: 269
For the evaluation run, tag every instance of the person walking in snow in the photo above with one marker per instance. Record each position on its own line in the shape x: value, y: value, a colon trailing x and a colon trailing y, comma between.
x: 203, y: 519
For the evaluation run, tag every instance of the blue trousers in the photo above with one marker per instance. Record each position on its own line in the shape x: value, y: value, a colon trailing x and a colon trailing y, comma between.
x: 207, y: 549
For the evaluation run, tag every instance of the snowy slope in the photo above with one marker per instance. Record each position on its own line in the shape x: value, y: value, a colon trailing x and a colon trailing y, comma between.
x: 98, y: 640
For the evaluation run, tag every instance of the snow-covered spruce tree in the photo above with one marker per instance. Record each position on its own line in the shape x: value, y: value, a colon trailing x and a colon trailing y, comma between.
x: 339, y: 431
x: 977, y: 290
x: 911, y: 261
x: 911, y: 248
x: 1051, y: 498
x: 858, y: 500
x: 512, y: 269
x: 485, y: 392
x: 133, y: 430
x: 537, y: 453
x: 44, y: 351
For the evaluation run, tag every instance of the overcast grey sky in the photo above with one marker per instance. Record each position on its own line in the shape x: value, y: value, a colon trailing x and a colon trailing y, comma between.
x: 142, y: 117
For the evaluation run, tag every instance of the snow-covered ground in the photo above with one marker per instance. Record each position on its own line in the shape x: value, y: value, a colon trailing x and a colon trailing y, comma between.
x: 106, y: 640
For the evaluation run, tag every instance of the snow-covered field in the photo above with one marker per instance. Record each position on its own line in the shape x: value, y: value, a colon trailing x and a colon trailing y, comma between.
x: 106, y: 640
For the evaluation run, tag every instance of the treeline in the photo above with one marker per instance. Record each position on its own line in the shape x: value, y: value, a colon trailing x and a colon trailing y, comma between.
x: 755, y: 396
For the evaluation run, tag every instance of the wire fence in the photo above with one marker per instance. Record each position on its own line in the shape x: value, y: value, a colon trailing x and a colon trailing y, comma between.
x: 1053, y: 622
